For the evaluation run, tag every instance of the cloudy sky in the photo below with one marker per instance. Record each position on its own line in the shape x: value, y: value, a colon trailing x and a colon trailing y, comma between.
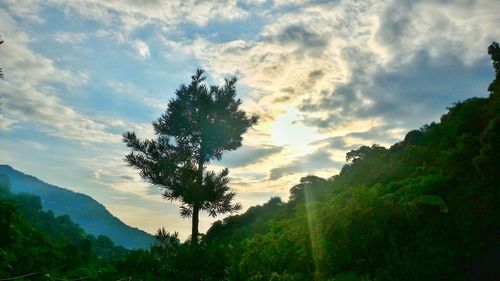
x: 325, y: 76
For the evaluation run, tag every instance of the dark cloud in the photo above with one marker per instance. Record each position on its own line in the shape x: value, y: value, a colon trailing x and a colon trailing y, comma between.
x: 281, y: 99
x: 395, y: 23
x: 313, y: 77
x: 319, y: 160
x: 127, y: 177
x: 402, y: 28
x: 379, y: 133
x: 153, y: 190
x: 307, y: 85
x: 298, y: 34
x: 345, y: 99
x: 336, y: 143
x: 289, y: 90
x: 404, y: 96
x: 242, y: 178
x: 309, y: 42
x: 248, y: 155
x: 316, y: 74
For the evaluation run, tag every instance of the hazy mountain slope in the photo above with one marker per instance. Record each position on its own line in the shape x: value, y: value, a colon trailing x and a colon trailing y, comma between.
x: 84, y: 210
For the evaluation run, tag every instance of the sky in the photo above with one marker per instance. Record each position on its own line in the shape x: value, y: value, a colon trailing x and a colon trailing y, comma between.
x: 325, y: 76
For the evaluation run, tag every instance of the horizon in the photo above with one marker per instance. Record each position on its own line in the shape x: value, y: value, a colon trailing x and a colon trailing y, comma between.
x: 325, y: 77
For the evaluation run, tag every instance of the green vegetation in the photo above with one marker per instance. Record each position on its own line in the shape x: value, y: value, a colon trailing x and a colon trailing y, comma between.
x: 200, y: 124
x: 424, y: 209
x: 36, y: 243
x: 83, y: 210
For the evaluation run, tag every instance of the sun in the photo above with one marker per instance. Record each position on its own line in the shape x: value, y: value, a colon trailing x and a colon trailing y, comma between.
x: 288, y: 131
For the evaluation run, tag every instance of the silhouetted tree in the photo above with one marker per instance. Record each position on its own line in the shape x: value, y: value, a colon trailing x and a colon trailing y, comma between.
x: 199, y: 125
x: 494, y: 52
x: 1, y: 72
x: 310, y: 189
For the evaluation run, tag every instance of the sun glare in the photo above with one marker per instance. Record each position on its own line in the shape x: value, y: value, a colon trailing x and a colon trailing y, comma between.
x: 288, y: 131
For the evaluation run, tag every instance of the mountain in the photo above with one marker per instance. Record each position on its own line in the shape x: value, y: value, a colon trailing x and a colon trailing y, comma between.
x: 82, y: 209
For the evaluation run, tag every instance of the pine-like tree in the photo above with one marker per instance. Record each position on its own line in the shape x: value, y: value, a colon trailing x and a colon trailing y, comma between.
x: 494, y: 52
x: 1, y: 71
x: 199, y: 124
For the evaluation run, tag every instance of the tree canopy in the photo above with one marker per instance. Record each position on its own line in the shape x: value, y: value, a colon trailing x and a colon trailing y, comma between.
x: 200, y: 123
x: 1, y: 71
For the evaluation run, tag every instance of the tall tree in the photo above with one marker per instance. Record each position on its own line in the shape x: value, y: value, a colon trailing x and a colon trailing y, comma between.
x: 494, y: 52
x: 1, y: 72
x: 199, y: 124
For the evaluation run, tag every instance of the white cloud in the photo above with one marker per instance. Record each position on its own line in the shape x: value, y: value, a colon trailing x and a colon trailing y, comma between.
x: 131, y: 14
x: 28, y: 9
x: 72, y: 38
x: 136, y: 47
x: 141, y: 48
x: 5, y: 123
x: 28, y: 94
x: 131, y: 90
x: 462, y: 28
x: 34, y: 144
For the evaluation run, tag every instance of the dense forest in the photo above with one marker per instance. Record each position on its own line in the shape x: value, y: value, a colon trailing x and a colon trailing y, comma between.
x: 83, y: 210
x: 424, y: 209
x: 40, y: 246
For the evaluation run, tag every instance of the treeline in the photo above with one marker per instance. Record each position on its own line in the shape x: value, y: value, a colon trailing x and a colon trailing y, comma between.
x: 424, y: 209
x: 36, y: 244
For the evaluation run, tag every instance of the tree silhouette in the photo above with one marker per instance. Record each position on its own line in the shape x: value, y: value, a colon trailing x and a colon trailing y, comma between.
x: 1, y: 72
x: 494, y: 52
x: 199, y: 124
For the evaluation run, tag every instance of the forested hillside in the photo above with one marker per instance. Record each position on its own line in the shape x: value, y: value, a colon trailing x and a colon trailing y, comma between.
x: 425, y: 208
x: 92, y: 216
x: 41, y: 246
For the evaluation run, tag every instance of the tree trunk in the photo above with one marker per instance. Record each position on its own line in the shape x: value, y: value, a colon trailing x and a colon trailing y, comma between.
x: 196, y: 206
x: 196, y: 219
x: 194, y: 229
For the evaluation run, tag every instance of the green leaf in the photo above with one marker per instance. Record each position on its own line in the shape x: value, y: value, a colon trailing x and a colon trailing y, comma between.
x: 431, y: 200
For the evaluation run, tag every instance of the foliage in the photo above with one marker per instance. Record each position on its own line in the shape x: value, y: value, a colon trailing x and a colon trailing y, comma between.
x: 199, y: 125
x: 1, y: 71
x: 33, y: 241
x: 424, y: 209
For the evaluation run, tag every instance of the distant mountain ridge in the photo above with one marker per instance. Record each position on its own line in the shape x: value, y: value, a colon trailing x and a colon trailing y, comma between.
x: 92, y: 216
